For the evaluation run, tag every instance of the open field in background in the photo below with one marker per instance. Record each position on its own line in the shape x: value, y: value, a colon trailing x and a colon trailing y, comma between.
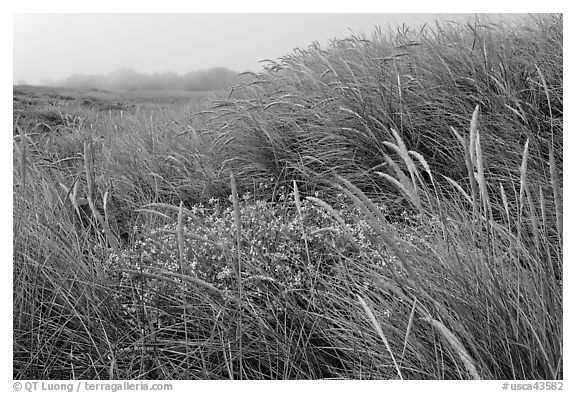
x: 49, y: 107
x: 388, y: 207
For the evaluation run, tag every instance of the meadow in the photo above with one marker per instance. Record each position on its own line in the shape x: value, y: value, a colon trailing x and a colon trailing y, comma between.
x: 388, y: 207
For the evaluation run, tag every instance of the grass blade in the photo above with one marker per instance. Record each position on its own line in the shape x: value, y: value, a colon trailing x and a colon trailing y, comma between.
x: 457, y: 346
x: 380, y: 332
x: 557, y: 191
x: 238, y: 228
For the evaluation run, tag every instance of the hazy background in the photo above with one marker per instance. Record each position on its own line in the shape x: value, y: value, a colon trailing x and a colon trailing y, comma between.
x: 52, y: 47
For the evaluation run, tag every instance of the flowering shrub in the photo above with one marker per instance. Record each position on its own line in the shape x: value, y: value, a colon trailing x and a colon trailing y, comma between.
x: 276, y: 245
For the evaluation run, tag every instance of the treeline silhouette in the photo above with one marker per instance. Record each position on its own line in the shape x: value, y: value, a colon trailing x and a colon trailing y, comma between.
x: 129, y: 79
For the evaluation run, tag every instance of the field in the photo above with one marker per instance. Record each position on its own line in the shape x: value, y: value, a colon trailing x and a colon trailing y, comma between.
x: 389, y: 207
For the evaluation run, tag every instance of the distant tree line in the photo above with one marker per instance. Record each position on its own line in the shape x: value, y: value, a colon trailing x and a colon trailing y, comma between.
x: 129, y: 79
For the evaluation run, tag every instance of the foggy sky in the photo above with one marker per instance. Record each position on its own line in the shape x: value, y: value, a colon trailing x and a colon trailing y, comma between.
x: 57, y: 45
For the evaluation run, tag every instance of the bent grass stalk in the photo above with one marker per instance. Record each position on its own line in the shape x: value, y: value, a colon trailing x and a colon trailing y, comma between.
x: 524, y: 174
x: 471, y: 177
x: 456, y: 345
x: 408, y: 329
x: 320, y: 203
x: 377, y: 222
x: 180, y: 237
x: 23, y: 152
x: 554, y: 181
x: 471, y: 158
x: 165, y: 274
x: 89, y: 171
x: 238, y: 226
x: 380, y: 332
x: 299, y: 209
x: 482, y: 183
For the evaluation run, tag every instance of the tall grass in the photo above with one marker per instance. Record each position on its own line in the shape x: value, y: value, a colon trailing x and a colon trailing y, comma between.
x: 61, y: 301
x: 383, y: 208
x: 318, y: 112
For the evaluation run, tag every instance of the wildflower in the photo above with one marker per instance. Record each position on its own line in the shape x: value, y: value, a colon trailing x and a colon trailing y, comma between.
x: 224, y: 273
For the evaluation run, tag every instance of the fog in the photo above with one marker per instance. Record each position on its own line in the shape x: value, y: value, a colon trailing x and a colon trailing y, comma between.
x: 50, y: 48
x: 129, y: 80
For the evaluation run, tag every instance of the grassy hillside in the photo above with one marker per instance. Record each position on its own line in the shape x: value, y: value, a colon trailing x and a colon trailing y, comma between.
x: 386, y: 207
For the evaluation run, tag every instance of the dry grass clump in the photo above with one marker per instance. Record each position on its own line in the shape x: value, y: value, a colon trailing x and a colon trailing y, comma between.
x: 65, y: 322
x: 318, y: 112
